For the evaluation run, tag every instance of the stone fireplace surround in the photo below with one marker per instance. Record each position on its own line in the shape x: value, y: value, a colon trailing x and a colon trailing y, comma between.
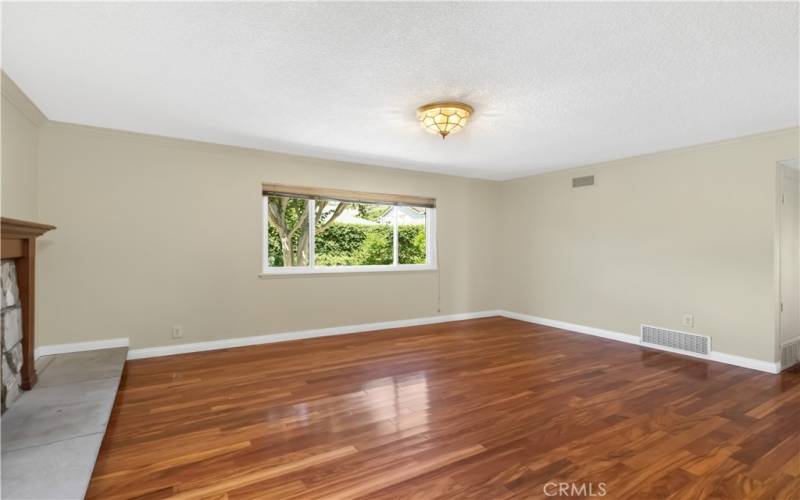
x: 11, y: 341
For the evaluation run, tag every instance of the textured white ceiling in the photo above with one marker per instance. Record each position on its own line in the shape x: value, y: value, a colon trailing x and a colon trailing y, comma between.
x: 554, y: 85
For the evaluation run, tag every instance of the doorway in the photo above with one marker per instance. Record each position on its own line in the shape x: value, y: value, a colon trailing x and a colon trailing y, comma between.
x: 788, y: 238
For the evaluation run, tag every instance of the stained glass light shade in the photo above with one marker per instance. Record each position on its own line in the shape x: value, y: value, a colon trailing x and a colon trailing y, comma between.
x: 444, y: 118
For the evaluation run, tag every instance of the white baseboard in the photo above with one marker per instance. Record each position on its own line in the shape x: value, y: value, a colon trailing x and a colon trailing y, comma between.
x: 151, y: 352
x: 148, y: 352
x: 588, y: 330
x: 755, y: 364
x: 720, y: 357
x: 48, y: 350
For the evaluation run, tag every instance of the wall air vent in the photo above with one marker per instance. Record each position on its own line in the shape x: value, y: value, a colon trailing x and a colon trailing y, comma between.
x: 583, y: 181
x: 790, y: 353
x: 673, y: 339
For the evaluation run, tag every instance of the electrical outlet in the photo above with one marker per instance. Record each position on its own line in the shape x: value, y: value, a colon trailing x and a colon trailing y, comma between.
x: 177, y: 332
x: 688, y: 320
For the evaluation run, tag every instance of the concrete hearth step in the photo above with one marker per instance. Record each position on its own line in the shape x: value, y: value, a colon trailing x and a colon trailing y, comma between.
x: 51, y: 435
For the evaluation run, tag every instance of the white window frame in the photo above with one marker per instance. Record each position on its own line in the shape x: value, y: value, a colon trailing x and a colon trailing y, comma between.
x: 312, y: 268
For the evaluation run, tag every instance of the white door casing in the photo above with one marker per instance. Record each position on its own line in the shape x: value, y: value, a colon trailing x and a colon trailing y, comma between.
x: 789, y: 241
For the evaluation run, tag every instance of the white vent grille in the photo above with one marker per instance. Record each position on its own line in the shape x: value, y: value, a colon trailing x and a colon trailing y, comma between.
x: 790, y: 353
x: 673, y: 339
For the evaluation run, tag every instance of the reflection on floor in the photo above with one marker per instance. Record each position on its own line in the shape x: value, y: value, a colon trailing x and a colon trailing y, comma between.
x: 487, y: 408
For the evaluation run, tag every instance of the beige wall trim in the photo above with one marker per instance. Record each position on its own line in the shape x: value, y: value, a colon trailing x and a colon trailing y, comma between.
x: 239, y: 151
x: 226, y: 148
x: 663, y: 153
x: 347, y: 195
x: 22, y: 102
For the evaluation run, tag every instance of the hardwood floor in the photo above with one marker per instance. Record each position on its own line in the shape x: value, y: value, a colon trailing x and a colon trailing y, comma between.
x: 488, y: 408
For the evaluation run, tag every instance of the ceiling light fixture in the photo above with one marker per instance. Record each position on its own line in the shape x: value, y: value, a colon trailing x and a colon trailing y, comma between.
x: 444, y: 118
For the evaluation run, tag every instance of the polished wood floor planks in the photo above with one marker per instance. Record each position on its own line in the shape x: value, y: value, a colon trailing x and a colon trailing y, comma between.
x: 487, y: 408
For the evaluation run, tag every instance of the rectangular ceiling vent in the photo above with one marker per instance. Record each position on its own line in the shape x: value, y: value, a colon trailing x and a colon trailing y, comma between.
x: 583, y: 181
x: 673, y: 339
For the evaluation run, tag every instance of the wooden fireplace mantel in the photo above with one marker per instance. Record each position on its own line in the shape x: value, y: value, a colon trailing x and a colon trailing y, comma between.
x: 19, y: 243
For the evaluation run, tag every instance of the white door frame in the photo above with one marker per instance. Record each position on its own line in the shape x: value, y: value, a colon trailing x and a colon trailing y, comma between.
x: 778, y: 209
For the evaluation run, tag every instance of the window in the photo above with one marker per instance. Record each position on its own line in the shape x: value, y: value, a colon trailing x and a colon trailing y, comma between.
x: 309, y: 230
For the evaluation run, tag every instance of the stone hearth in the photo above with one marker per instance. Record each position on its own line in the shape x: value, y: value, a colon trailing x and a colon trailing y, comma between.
x: 51, y: 435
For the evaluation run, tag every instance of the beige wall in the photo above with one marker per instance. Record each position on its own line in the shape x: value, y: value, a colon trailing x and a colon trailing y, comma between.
x: 657, y: 237
x: 18, y: 164
x: 154, y: 232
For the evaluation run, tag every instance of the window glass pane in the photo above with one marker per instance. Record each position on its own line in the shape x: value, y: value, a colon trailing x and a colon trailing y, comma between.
x: 353, y: 234
x: 411, y: 236
x: 287, y: 231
